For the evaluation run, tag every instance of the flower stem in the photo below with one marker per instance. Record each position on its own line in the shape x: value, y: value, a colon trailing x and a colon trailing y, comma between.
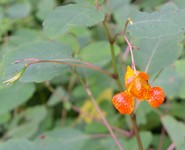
x: 133, y: 116
x: 111, y: 43
x: 134, y: 123
x: 131, y: 53
x: 130, y: 46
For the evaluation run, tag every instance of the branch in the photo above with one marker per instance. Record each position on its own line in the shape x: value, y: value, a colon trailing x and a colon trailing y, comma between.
x: 89, y: 93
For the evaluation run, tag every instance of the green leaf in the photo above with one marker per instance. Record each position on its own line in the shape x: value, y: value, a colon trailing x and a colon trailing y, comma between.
x: 95, y: 127
x: 170, y: 81
x: 19, y: 10
x: 156, y: 141
x: 56, y: 97
x: 179, y: 65
x: 176, y: 109
x: 14, y: 95
x: 180, y: 3
x: 109, y: 143
x: 142, y: 111
x: 37, y: 50
x: 146, y: 139
x: 4, y: 118
x: 61, y: 18
x: 122, y: 10
x: 88, y: 1
x: 82, y: 34
x: 26, y: 130
x: 147, y: 5
x: 65, y: 139
x: 182, y: 89
x: 70, y: 40
x: 26, y: 123
x: 176, y: 131
x: 44, y: 7
x: 98, y: 53
x: 155, y: 54
x: 18, y: 144
x: 157, y: 24
x: 93, y: 144
x: 23, y: 36
x: 31, y: 114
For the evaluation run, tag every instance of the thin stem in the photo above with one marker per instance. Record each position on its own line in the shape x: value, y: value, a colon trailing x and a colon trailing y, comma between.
x: 134, y: 123
x: 171, y: 147
x: 120, y: 131
x: 111, y: 43
x: 131, y: 53
x: 133, y: 116
x: 83, y: 64
x: 161, y: 139
x: 89, y: 93
x: 98, y: 6
x: 78, y: 110
x: 137, y: 105
x: 129, y: 21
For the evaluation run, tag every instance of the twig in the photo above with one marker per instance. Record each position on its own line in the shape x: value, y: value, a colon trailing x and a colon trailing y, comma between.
x: 171, y: 147
x: 134, y: 123
x: 131, y: 52
x: 160, y: 146
x: 100, y: 113
x: 111, y: 43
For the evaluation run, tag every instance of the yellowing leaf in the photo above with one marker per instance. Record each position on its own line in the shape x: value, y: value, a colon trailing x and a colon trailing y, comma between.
x: 105, y: 95
x: 88, y: 110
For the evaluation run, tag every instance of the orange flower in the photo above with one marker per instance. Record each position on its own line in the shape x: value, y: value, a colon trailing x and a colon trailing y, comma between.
x: 123, y: 102
x: 137, y: 86
x: 156, y: 97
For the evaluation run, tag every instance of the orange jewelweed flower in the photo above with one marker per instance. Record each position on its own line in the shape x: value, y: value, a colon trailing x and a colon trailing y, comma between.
x: 156, y: 97
x: 137, y: 86
x: 123, y: 102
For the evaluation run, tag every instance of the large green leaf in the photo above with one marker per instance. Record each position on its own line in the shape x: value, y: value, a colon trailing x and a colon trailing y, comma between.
x: 159, y: 24
x: 179, y: 65
x: 61, y: 18
x: 44, y: 7
x: 170, y: 81
x: 180, y: 3
x: 56, y: 97
x: 30, y: 121
x: 14, y: 95
x: 23, y: 36
x: 18, y: 144
x: 65, y: 139
x: 98, y: 53
x: 182, y: 89
x: 146, y: 139
x: 19, y: 10
x: 109, y: 143
x: 142, y: 112
x: 176, y: 131
x: 38, y: 50
x: 155, y: 54
x: 121, y: 10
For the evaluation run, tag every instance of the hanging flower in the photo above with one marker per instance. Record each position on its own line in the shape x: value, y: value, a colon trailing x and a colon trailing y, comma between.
x: 137, y: 86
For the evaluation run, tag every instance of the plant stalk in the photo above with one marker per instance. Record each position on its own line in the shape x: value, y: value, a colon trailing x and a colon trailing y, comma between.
x: 89, y: 93
x: 111, y: 43
x: 134, y: 123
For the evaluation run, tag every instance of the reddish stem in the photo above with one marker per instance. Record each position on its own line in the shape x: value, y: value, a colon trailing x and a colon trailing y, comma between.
x: 131, y: 53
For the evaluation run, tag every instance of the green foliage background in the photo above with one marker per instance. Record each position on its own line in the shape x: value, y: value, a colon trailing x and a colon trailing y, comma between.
x: 48, y: 108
